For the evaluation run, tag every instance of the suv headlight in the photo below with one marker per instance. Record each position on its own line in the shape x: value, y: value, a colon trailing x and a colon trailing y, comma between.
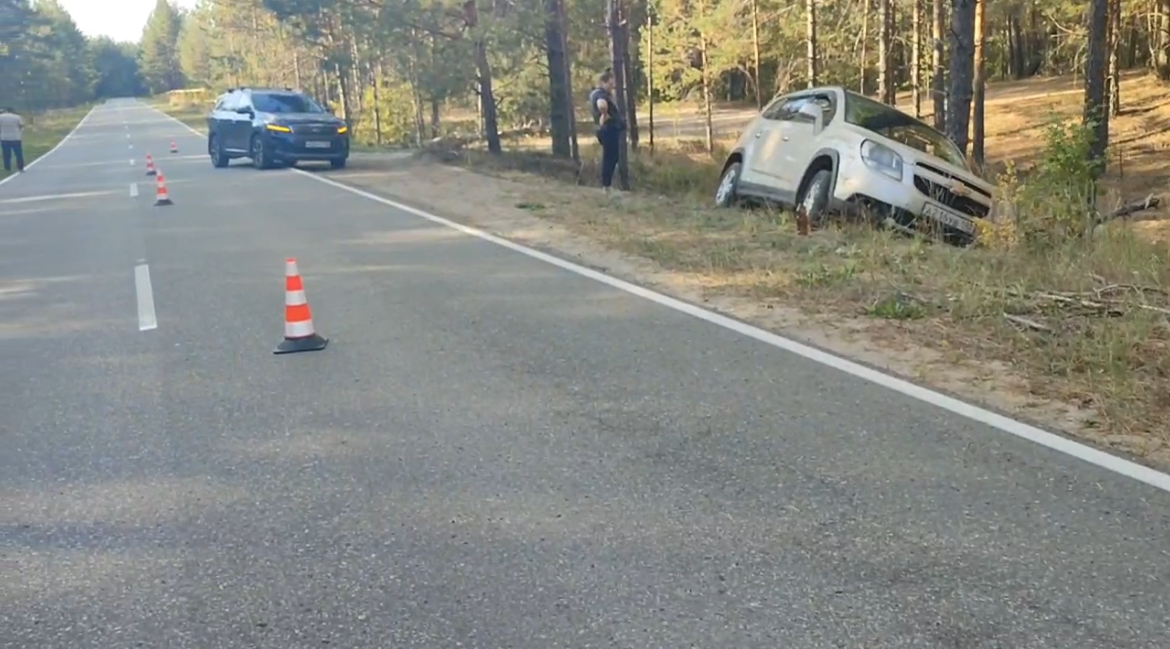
x: 882, y: 158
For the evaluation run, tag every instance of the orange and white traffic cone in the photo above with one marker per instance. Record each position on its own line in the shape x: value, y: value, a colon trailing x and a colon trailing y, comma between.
x: 299, y: 334
x: 160, y: 192
x: 150, y: 170
x: 174, y: 147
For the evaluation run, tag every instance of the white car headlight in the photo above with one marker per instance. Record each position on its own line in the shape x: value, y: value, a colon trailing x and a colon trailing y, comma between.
x: 882, y: 158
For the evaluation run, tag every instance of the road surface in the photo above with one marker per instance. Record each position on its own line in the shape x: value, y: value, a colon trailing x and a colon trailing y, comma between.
x: 492, y: 453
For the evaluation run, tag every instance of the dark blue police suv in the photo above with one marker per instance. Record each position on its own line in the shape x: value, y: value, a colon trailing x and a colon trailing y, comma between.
x: 274, y: 127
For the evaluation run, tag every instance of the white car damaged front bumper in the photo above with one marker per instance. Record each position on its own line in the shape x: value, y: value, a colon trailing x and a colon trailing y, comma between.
x: 905, y: 200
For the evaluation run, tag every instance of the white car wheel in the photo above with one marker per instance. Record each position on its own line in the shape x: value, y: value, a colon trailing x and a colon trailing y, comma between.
x: 815, y: 199
x: 725, y: 195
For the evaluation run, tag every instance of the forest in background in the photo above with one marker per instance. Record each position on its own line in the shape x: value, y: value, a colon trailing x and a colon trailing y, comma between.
x: 397, y: 70
x: 46, y: 62
x: 406, y: 72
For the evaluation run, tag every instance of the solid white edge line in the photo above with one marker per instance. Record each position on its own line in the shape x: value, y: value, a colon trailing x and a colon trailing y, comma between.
x: 1058, y: 443
x: 52, y: 150
x: 145, y: 294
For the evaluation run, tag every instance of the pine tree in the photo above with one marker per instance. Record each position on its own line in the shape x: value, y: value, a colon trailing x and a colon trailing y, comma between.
x: 116, y: 65
x: 70, y: 73
x: 159, y: 53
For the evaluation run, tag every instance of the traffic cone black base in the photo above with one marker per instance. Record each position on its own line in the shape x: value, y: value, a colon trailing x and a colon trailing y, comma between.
x: 313, y: 343
x: 163, y: 203
x: 152, y: 172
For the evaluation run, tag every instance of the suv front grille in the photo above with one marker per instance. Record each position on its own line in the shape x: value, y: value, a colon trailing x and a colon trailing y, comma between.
x: 941, y: 192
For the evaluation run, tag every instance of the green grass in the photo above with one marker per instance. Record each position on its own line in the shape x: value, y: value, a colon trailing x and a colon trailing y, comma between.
x: 44, y: 131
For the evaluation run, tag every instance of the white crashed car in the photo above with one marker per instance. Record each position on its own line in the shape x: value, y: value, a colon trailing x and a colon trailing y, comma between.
x: 832, y: 150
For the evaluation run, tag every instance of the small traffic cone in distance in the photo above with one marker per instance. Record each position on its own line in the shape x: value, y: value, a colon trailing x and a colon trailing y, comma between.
x: 150, y: 170
x: 174, y: 147
x: 160, y: 192
x: 299, y: 333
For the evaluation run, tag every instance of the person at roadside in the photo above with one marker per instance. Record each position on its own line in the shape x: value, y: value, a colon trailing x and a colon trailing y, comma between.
x: 610, y: 126
x: 11, y: 126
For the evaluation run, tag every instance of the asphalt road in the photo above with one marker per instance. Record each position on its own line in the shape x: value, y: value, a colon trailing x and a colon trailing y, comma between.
x: 492, y: 453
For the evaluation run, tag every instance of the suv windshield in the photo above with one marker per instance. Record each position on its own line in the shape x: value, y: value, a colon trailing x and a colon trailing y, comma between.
x: 284, y: 103
x: 898, y: 126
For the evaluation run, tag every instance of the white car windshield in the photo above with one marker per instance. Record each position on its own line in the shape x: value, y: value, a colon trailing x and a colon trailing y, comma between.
x: 900, y: 127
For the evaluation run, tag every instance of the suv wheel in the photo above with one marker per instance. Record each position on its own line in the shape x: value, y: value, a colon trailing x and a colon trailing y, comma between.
x: 338, y: 163
x: 261, y: 157
x: 815, y: 197
x: 219, y: 159
x: 725, y: 195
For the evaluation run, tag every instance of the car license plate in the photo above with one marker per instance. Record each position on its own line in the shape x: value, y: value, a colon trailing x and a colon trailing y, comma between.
x: 948, y: 218
x: 317, y: 144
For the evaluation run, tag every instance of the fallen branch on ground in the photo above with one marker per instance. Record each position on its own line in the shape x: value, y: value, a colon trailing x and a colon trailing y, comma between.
x: 1132, y: 207
x: 1026, y: 323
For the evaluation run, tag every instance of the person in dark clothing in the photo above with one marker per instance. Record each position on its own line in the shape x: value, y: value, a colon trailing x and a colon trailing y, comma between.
x: 610, y: 126
x: 11, y: 126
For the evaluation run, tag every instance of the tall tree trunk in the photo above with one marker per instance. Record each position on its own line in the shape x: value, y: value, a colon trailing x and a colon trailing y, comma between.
x: 1162, y: 55
x: 487, y: 98
x: 560, y: 103
x: 1019, y: 47
x: 755, y: 54
x: 614, y: 18
x: 378, y: 105
x: 631, y: 76
x: 979, y: 84
x: 343, y: 93
x: 1114, y: 84
x: 1096, y: 115
x: 810, y: 12
x: 916, y: 58
x: 938, y: 74
x: 706, y: 82
x: 1132, y: 34
x: 962, y: 63
x: 884, y: 63
x: 650, y: 73
x: 863, y: 59
x: 483, y: 68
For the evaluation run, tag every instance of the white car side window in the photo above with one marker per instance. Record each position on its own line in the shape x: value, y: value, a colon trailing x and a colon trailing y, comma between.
x: 773, y: 110
x: 791, y: 110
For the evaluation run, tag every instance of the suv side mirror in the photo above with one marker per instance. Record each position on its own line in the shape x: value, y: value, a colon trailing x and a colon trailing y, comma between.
x: 816, y: 112
x: 244, y: 110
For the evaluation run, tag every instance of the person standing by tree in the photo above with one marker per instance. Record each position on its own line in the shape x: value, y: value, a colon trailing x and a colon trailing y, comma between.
x: 610, y: 126
x: 10, y: 139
